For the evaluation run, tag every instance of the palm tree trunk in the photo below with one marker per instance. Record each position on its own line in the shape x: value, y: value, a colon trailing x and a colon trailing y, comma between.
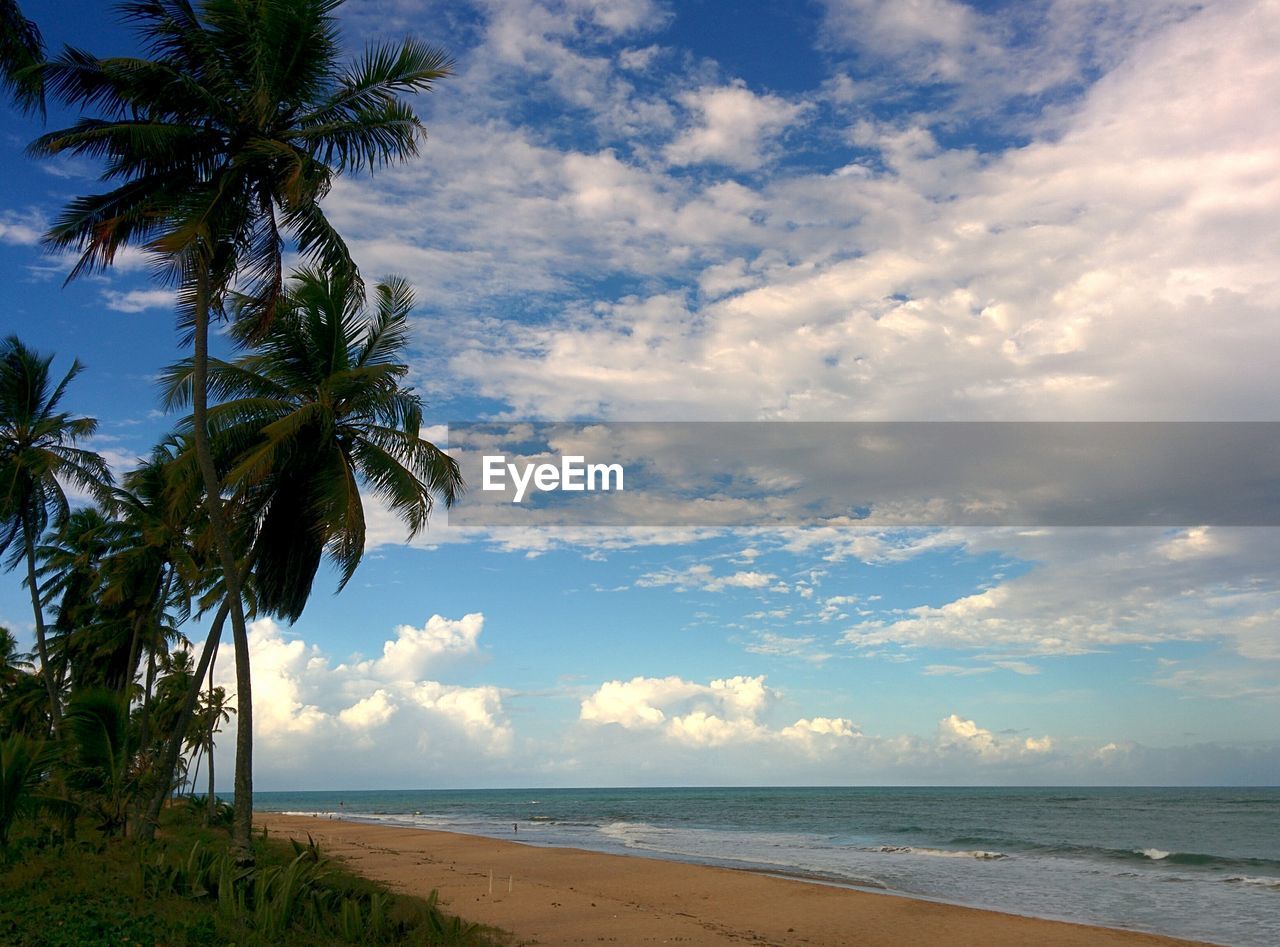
x: 169, y: 762
x: 195, y: 769
x: 55, y: 711
x: 212, y: 799
x: 144, y: 729
x: 135, y: 643
x: 242, y: 825
x: 213, y: 724
x: 135, y: 646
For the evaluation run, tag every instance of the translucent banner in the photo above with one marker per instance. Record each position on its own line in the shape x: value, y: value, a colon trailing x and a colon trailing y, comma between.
x: 868, y: 474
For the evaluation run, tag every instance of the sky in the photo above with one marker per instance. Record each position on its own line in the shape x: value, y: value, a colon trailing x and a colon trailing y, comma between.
x: 826, y: 210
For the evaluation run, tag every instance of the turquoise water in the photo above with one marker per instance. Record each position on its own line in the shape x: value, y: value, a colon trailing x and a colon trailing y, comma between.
x: 1199, y: 863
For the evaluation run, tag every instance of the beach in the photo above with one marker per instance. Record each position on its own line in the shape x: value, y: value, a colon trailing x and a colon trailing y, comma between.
x: 545, y: 895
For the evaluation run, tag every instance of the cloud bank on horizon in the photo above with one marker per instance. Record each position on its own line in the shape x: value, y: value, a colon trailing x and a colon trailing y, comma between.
x: 835, y: 210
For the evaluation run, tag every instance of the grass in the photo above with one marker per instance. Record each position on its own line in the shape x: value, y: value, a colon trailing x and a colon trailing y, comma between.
x: 183, y: 890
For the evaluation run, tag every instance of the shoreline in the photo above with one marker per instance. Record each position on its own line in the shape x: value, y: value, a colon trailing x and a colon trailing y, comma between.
x: 545, y: 894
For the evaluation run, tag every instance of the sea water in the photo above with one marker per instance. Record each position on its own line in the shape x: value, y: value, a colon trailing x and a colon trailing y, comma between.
x: 1196, y: 863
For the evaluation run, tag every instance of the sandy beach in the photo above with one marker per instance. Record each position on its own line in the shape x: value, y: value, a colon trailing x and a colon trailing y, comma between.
x: 566, y: 896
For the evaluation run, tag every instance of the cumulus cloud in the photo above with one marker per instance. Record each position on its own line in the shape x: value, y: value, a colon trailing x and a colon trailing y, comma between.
x: 415, y: 650
x: 382, y: 717
x: 733, y: 126
x: 965, y: 736
x: 723, y: 711
x: 927, y: 282
x: 673, y: 717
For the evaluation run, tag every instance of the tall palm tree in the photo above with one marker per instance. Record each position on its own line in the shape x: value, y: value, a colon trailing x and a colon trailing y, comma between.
x: 317, y: 409
x: 21, y: 52
x: 38, y: 454
x: 219, y: 148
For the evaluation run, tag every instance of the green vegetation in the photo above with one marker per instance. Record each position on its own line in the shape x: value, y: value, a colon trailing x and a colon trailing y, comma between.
x: 186, y: 888
x: 217, y: 145
x: 21, y: 53
x: 217, y: 151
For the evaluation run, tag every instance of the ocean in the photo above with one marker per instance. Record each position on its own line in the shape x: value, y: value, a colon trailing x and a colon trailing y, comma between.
x: 1196, y: 863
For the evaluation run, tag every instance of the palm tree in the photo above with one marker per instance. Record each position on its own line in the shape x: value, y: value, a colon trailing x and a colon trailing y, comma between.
x: 24, y: 705
x: 13, y: 663
x: 24, y: 761
x: 87, y: 641
x: 99, y: 754
x: 21, y: 52
x: 317, y: 409
x: 211, y: 715
x: 37, y: 451
x: 221, y: 147
x: 156, y: 569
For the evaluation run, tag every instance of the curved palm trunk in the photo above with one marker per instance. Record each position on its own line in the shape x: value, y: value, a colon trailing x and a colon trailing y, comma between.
x: 242, y: 825
x: 144, y: 731
x: 169, y: 761
x: 195, y: 771
x: 212, y: 799
x: 55, y: 711
x: 135, y: 642
x: 213, y: 723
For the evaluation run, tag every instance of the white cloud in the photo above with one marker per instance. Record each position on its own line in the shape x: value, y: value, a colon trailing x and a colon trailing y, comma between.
x: 22, y: 228
x: 983, y: 59
x: 635, y: 703
x: 954, y: 670
x: 700, y: 728
x: 315, y: 720
x: 372, y: 711
x: 1094, y: 589
x: 734, y: 126
x: 804, y: 647
x: 1120, y: 266
x: 733, y: 714
x: 414, y: 651
x: 139, y: 300
x: 820, y: 734
x: 958, y: 735
x: 944, y: 38
x: 719, y: 712
x: 701, y: 577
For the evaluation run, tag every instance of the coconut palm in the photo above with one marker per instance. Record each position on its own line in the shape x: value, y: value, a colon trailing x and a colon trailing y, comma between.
x: 24, y: 705
x: 38, y: 454
x: 220, y: 148
x: 315, y: 411
x: 88, y: 642
x: 21, y: 52
x: 209, y: 718
x: 156, y: 569
x: 13, y: 663
x: 24, y: 761
x: 99, y: 755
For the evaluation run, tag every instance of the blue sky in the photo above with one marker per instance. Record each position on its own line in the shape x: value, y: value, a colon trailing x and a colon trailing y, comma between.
x: 837, y: 210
